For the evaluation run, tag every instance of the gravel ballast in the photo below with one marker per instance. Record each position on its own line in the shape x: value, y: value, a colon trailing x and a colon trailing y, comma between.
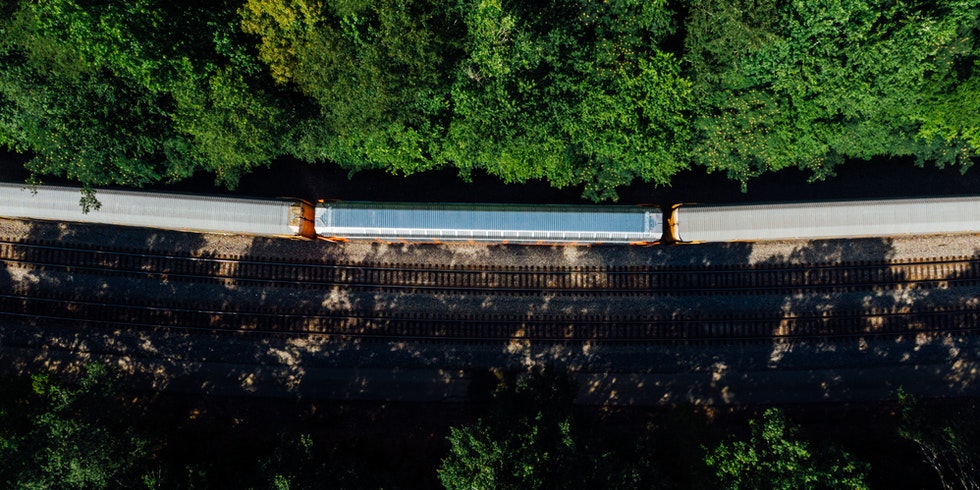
x: 336, y: 368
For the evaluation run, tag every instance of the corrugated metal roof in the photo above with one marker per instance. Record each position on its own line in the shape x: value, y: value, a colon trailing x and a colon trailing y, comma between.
x: 829, y: 219
x: 146, y: 209
x: 489, y: 222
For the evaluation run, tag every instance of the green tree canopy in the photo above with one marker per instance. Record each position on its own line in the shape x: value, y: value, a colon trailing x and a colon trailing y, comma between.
x: 588, y: 93
x: 805, y: 84
x: 573, y: 92
x: 533, y: 439
x: 71, y: 437
x: 775, y: 458
x: 375, y: 73
x: 133, y: 93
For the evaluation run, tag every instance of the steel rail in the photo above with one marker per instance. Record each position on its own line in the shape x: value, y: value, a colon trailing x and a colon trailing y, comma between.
x: 523, y: 269
x: 705, y: 281
x: 446, y: 340
x: 578, y: 291
x: 627, y: 328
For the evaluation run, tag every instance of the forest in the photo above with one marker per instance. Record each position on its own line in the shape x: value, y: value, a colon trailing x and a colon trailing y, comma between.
x: 587, y: 94
x: 87, y: 431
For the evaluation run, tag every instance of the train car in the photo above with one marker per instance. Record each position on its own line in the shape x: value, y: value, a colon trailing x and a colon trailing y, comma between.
x: 498, y: 223
x: 501, y: 223
x: 869, y: 218
x: 270, y: 217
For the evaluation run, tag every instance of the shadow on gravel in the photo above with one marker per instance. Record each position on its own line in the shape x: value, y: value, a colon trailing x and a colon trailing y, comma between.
x: 869, y: 363
x: 883, y: 349
x: 6, y: 342
x: 855, y: 345
x: 911, y: 336
x: 358, y: 360
x: 62, y: 315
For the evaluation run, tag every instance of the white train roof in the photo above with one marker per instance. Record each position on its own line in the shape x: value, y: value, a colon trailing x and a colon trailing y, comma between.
x: 883, y: 217
x: 149, y: 209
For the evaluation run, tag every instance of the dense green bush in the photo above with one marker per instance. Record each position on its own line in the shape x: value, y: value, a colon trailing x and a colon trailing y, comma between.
x: 806, y: 84
x: 57, y: 436
x: 534, y: 438
x: 774, y: 457
x: 585, y: 93
x: 90, y: 431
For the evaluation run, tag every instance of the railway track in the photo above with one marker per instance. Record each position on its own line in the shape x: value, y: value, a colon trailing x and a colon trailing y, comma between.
x: 54, y: 305
x: 630, y: 329
x: 421, y: 278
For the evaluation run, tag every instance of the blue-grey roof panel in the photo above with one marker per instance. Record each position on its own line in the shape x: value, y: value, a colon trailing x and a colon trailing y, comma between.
x: 157, y: 210
x: 489, y: 222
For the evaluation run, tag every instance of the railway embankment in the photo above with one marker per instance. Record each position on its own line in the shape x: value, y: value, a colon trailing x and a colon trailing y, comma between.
x: 712, y: 323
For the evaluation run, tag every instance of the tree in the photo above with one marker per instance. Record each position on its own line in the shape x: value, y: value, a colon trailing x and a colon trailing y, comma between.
x: 582, y: 93
x: 80, y: 120
x: 230, y: 126
x: 949, y: 442
x: 71, y: 437
x: 806, y: 84
x: 532, y: 438
x: 574, y: 92
x: 577, y: 92
x: 374, y: 71
x: 527, y: 442
x: 774, y: 458
x: 134, y: 93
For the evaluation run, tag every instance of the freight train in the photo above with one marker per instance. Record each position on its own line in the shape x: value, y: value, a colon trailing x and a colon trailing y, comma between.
x: 498, y: 223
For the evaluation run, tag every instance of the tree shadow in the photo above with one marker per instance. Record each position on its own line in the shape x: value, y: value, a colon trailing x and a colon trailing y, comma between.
x: 63, y: 311
x: 685, y: 341
x: 818, y: 344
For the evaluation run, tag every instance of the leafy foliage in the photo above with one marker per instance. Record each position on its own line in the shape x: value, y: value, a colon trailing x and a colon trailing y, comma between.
x: 304, y: 461
x: 90, y: 434
x: 574, y: 92
x: 533, y: 439
x: 230, y: 128
x: 949, y: 442
x: 71, y: 437
x: 586, y: 93
x: 132, y: 93
x: 374, y: 70
x: 821, y: 81
x: 775, y: 458
x: 81, y: 121
x: 283, y: 29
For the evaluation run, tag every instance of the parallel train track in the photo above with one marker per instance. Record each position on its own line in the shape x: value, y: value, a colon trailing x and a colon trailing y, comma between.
x: 635, y: 329
x: 529, y: 281
x: 637, y: 280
